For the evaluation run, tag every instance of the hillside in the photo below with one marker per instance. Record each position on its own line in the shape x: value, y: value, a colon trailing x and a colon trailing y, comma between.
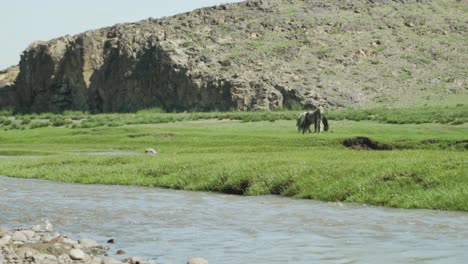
x: 259, y: 54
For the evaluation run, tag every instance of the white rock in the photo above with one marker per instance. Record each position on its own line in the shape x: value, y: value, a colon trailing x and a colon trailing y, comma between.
x: 28, y: 233
x: 150, y: 151
x: 135, y: 260
x: 94, y: 260
x: 69, y: 241
x: 197, y: 261
x: 5, y: 240
x: 25, y: 252
x: 44, y: 258
x: 108, y: 260
x: 64, y: 258
x: 77, y: 254
x: 19, y: 236
x: 77, y: 246
x: 87, y: 243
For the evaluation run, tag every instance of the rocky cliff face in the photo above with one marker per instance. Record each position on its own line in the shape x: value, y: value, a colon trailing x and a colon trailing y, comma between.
x: 8, y: 88
x: 259, y: 54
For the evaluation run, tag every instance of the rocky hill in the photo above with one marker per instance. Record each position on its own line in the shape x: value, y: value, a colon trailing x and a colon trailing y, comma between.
x: 258, y: 54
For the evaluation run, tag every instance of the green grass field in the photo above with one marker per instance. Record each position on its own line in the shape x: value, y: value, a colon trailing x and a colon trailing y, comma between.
x: 225, y: 152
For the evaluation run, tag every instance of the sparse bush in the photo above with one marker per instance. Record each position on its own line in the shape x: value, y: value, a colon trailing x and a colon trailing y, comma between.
x: 7, y: 122
x: 39, y: 124
x: 25, y: 121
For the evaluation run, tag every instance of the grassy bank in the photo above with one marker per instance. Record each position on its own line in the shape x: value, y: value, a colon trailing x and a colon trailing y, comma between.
x: 454, y: 115
x: 427, y: 168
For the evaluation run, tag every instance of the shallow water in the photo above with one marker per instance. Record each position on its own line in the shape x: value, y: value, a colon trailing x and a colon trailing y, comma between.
x: 172, y: 226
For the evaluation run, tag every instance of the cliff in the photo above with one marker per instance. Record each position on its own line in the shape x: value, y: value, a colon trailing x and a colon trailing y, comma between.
x: 259, y: 54
x: 7, y: 87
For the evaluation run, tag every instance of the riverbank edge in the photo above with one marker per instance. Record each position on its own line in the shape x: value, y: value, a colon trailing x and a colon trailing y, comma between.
x: 42, y: 244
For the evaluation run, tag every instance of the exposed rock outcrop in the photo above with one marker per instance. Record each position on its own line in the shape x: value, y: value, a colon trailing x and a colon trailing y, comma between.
x: 259, y: 54
x: 8, y: 88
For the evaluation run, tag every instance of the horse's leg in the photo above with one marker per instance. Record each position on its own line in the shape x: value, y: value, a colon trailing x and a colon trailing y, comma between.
x: 316, y: 120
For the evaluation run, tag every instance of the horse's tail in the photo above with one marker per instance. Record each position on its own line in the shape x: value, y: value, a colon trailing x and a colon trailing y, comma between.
x: 325, y: 123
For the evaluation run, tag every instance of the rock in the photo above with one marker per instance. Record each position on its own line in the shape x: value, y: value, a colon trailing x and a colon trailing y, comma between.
x: 77, y: 254
x: 138, y: 260
x: 57, y: 239
x: 28, y: 233
x: 44, y: 258
x: 120, y: 252
x: 19, y: 236
x: 150, y: 151
x: 111, y: 241
x: 5, y: 240
x: 88, y: 243
x: 69, y: 241
x: 108, y: 260
x: 64, y: 258
x: 197, y: 261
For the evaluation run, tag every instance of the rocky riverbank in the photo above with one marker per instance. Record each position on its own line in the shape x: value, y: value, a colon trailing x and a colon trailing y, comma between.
x: 41, y: 244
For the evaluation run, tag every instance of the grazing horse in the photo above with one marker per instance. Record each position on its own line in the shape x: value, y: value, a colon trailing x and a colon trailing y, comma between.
x: 316, y: 117
x: 300, y: 121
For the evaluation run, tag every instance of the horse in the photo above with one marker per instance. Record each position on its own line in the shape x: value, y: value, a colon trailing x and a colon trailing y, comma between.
x: 316, y: 117
x: 300, y: 121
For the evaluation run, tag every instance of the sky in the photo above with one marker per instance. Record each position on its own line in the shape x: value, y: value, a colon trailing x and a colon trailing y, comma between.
x: 25, y: 21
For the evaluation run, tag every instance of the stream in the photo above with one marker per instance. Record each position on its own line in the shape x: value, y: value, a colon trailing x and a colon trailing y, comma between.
x: 170, y: 226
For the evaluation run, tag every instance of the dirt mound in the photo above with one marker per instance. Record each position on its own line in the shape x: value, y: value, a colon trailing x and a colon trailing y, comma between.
x: 364, y: 143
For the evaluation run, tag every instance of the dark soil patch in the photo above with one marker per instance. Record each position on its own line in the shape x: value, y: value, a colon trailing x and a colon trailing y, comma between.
x: 365, y: 143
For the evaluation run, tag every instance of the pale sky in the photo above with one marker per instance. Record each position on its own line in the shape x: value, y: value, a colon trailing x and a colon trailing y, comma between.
x: 25, y: 21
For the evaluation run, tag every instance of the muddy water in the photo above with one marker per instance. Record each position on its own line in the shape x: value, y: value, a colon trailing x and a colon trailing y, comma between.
x: 172, y: 226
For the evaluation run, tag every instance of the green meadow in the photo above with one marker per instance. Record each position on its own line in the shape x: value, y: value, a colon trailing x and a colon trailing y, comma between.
x: 252, y: 153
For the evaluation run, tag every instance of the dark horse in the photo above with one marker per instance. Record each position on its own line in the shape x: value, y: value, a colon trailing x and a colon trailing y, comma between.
x: 316, y: 117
